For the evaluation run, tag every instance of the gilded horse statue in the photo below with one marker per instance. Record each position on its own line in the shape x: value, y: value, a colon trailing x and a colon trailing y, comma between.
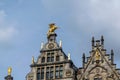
x: 52, y: 27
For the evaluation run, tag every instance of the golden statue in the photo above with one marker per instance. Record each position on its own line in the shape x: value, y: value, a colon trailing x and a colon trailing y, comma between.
x: 52, y: 27
x: 97, y: 55
x: 9, y: 71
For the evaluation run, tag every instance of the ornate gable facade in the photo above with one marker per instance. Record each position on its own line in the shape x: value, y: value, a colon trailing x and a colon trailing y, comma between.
x: 53, y: 64
x: 100, y: 65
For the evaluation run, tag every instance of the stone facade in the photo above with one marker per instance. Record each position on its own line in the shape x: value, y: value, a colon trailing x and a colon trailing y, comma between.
x: 53, y: 64
x: 100, y: 65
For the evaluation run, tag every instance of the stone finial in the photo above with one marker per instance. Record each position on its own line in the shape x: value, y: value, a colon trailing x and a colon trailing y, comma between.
x: 42, y: 44
x: 93, y: 41
x: 33, y: 61
x: 69, y: 56
x: 60, y: 44
x: 83, y: 57
x: 112, y: 56
x: 102, y: 40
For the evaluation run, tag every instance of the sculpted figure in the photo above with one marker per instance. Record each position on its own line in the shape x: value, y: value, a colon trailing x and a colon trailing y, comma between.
x: 53, y: 27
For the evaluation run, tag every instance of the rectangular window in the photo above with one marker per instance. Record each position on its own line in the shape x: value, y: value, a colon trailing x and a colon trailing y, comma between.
x: 48, y: 54
x: 57, y: 58
x: 38, y: 70
x: 52, y: 59
x: 51, y: 72
x: 61, y: 71
x: 61, y: 74
x: 38, y: 76
x: 48, y: 59
x: 57, y: 72
x: 43, y: 59
x: 42, y: 73
x: 47, y: 75
x: 52, y: 54
x: 51, y: 75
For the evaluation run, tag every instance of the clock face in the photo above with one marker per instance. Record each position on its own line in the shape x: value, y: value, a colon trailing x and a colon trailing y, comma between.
x: 51, y: 46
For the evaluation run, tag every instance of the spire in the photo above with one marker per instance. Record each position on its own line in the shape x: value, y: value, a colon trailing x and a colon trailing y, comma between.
x: 102, y: 40
x: 83, y: 59
x: 112, y: 56
x: 9, y: 77
x: 93, y: 42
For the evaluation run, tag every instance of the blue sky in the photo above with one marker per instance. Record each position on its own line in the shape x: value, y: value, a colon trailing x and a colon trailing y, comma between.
x: 24, y: 24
